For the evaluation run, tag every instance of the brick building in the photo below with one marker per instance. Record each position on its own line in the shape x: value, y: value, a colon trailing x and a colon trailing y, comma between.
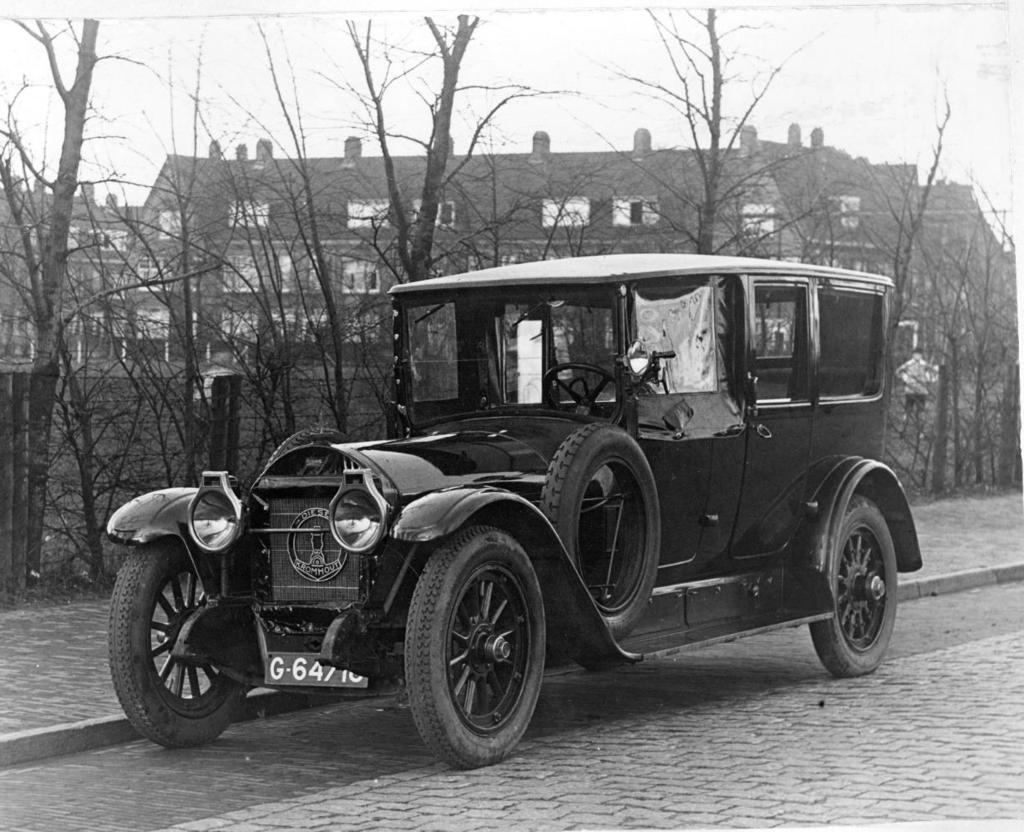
x: 277, y: 246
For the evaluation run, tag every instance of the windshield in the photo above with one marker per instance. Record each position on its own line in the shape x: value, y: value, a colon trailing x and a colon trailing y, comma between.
x: 473, y: 352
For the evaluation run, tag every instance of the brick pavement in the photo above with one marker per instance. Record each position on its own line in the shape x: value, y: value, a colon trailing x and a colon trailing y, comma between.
x: 747, y: 734
x: 53, y: 661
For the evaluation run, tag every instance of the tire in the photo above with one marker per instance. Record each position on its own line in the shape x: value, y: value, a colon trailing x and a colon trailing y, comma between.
x: 170, y: 703
x: 863, y: 578
x: 475, y: 634
x: 600, y: 495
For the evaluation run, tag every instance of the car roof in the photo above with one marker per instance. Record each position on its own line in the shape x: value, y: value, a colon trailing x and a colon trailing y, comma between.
x: 612, y: 268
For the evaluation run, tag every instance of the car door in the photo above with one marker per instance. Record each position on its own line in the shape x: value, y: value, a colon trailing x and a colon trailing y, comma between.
x: 690, y: 424
x: 778, y: 435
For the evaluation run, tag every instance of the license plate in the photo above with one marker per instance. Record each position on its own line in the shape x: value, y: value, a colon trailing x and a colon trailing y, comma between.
x: 304, y: 669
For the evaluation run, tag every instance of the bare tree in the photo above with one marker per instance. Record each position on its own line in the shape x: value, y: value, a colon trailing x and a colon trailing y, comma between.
x: 415, y: 224
x: 699, y: 78
x: 44, y: 242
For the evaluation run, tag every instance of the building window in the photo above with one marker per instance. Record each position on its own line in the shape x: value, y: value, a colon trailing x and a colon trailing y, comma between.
x: 147, y: 269
x: 572, y: 212
x: 445, y: 212
x: 250, y: 214
x: 240, y: 273
x: 115, y: 239
x: 359, y: 277
x: 168, y: 222
x: 758, y: 219
x: 367, y: 213
x: 150, y: 334
x: 849, y: 209
x: 286, y: 270
x: 634, y: 210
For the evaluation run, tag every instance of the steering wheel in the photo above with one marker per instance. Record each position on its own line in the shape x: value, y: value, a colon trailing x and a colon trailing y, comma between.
x: 579, y: 391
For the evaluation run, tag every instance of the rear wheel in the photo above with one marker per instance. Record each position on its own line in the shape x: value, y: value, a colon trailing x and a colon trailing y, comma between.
x: 169, y: 702
x: 474, y: 652
x: 863, y: 575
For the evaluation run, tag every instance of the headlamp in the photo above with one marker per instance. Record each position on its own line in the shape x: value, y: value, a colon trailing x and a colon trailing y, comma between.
x: 358, y: 512
x: 215, y: 513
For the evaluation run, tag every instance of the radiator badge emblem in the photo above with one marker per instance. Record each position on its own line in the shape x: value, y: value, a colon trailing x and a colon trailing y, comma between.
x: 306, y: 546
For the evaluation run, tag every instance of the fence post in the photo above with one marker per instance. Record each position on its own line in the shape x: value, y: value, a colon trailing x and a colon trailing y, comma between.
x: 941, y: 433
x: 19, y: 474
x: 8, y: 576
x: 224, y: 427
x: 232, y: 431
x: 1009, y: 448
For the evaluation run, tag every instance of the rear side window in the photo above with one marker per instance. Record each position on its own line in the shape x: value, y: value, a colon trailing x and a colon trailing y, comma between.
x: 780, y: 342
x: 851, y: 342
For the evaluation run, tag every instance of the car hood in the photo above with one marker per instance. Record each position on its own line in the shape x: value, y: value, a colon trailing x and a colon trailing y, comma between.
x: 479, y: 452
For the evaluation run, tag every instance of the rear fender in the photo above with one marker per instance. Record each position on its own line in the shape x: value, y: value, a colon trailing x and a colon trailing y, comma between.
x: 575, y: 627
x: 848, y: 477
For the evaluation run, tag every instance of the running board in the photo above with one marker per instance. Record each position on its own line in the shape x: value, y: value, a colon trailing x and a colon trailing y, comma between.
x: 665, y: 643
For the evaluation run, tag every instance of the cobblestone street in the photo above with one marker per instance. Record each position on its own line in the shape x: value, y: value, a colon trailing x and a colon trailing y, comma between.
x: 748, y: 734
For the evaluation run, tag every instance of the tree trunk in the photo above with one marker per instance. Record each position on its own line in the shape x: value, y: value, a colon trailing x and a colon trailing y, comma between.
x: 48, y: 294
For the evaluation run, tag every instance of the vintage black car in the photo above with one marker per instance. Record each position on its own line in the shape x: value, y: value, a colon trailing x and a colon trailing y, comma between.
x: 592, y: 460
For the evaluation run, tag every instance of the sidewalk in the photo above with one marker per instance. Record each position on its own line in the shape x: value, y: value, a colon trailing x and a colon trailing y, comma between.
x: 56, y: 695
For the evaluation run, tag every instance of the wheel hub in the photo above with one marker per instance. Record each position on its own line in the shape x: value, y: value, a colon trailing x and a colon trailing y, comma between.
x: 497, y: 649
x: 876, y: 588
x: 488, y: 647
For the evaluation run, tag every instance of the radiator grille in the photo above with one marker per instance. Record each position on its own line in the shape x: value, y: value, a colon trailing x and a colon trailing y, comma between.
x: 314, y: 550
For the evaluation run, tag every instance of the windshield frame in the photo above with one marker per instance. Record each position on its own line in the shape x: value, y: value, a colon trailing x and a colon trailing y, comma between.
x: 537, y: 302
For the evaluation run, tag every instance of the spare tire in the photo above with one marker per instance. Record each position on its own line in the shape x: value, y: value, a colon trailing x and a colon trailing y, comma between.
x: 599, y: 494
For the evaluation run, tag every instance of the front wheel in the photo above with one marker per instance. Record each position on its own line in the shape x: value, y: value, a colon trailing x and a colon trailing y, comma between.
x: 169, y: 702
x: 863, y: 577
x: 474, y: 648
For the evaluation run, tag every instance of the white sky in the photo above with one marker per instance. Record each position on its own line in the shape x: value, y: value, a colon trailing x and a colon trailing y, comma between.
x: 870, y: 74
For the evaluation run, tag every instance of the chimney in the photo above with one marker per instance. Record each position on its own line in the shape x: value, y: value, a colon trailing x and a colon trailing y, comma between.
x: 241, y: 153
x: 264, y: 150
x: 215, y: 151
x: 794, y: 135
x: 642, y: 142
x: 541, y: 146
x: 112, y: 201
x: 353, y: 148
x: 748, y: 140
x: 817, y: 138
x: 89, y: 193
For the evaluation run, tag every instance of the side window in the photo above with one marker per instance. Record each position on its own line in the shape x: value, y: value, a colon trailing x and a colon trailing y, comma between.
x: 851, y: 342
x: 432, y: 362
x: 780, y: 342
x: 681, y: 322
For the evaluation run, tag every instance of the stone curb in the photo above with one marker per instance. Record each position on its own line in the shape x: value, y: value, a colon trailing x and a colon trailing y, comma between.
x: 89, y: 734
x: 960, y: 581
x: 100, y: 732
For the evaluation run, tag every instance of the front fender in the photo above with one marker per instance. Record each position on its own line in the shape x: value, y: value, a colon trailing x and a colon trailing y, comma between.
x: 440, y: 513
x: 576, y: 629
x: 152, y: 516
